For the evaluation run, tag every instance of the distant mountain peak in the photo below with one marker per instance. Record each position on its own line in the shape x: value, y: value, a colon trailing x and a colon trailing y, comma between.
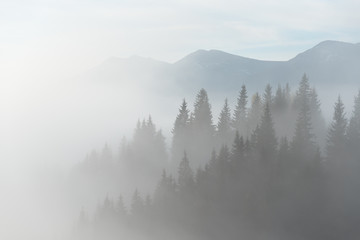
x: 211, y: 57
x: 333, y: 44
x: 328, y: 50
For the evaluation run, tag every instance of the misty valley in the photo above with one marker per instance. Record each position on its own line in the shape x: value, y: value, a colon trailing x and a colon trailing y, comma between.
x: 271, y: 168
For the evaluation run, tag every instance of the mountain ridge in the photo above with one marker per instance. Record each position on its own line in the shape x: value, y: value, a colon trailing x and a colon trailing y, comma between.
x: 329, y: 62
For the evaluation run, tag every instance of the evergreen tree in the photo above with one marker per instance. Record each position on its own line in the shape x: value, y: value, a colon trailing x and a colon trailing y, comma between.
x: 160, y: 147
x: 318, y: 121
x: 181, y: 131
x: 337, y: 133
x: 353, y: 131
x: 303, y: 142
x: 303, y: 94
x: 314, y: 102
x: 240, y: 113
x: 186, y: 176
x: 224, y: 128
x: 254, y: 114
x: 165, y: 189
x: 202, y: 113
x: 203, y: 130
x: 280, y: 102
x: 283, y: 155
x: 237, y: 151
x: 223, y: 160
x: 266, y: 138
x: 268, y: 97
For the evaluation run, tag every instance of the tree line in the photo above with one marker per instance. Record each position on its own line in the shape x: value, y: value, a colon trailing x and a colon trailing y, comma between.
x: 270, y: 171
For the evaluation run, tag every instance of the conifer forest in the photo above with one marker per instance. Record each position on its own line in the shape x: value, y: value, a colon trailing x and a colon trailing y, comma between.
x: 270, y: 168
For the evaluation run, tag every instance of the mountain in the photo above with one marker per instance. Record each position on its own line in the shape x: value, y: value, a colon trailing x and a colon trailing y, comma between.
x: 328, y: 63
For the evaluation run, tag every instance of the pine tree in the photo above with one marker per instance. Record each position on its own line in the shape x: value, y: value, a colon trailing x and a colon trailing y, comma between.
x: 280, y: 102
x: 283, y: 158
x: 223, y: 160
x: 314, y: 102
x: 254, y: 114
x: 239, y: 122
x: 159, y: 148
x: 237, y: 151
x: 224, y: 125
x: 165, y: 189
x: 202, y: 113
x: 186, y: 176
x: 303, y: 143
x: 203, y: 130
x: 318, y: 121
x: 337, y: 133
x: 303, y: 94
x: 181, y: 131
x: 353, y: 131
x: 237, y: 154
x: 266, y: 138
x: 268, y: 97
x: 150, y: 128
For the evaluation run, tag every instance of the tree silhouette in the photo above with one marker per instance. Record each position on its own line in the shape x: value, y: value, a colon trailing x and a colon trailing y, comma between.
x: 239, y: 121
x: 337, y: 133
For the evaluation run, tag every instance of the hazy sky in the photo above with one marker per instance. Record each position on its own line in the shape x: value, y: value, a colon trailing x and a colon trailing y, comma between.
x: 44, y: 41
x: 71, y: 36
x: 41, y: 42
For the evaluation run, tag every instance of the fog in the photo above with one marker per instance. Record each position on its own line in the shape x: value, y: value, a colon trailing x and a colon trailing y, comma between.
x: 50, y: 126
x: 113, y: 124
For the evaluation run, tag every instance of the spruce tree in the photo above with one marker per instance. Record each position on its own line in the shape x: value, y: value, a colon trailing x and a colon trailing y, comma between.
x: 266, y: 137
x: 280, y: 102
x: 237, y: 151
x: 202, y: 113
x: 353, y: 131
x: 283, y: 155
x: 254, y: 114
x: 239, y: 122
x: 337, y: 133
x: 303, y: 141
x: 303, y: 94
x: 180, y: 131
x: 203, y: 130
x: 185, y: 174
x: 318, y: 121
x: 268, y: 97
x: 224, y: 128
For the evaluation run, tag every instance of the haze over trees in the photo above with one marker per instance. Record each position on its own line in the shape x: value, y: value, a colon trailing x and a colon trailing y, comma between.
x: 269, y: 169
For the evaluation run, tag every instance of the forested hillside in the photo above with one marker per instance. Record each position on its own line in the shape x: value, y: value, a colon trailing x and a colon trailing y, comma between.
x: 268, y: 169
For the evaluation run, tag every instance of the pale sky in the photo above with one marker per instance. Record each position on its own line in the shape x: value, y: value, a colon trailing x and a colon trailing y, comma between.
x: 42, y: 42
x: 45, y: 42
x: 70, y: 36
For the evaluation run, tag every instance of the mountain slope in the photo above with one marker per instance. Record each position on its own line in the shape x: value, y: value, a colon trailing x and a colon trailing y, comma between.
x: 329, y: 62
